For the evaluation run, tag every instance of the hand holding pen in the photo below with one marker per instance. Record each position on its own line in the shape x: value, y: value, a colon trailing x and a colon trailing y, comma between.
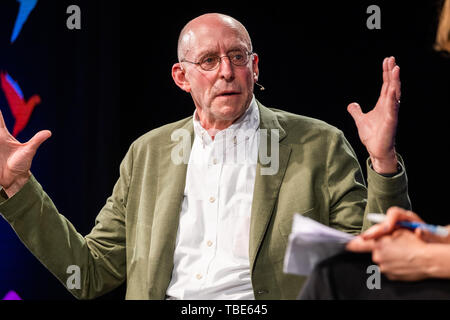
x: 402, y: 254
x: 399, y: 218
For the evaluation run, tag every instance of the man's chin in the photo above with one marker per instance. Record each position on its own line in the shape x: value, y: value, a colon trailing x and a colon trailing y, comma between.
x: 229, y: 112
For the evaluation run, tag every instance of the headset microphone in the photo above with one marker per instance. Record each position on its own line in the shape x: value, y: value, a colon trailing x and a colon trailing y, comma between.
x: 256, y: 82
x: 260, y: 86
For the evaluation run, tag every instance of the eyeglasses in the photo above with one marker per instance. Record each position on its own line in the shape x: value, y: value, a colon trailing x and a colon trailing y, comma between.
x: 211, y: 61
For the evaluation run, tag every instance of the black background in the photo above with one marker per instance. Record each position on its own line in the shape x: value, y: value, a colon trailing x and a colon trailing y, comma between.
x: 105, y: 85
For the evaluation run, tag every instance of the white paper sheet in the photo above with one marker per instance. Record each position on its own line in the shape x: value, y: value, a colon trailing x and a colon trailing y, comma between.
x: 310, y: 243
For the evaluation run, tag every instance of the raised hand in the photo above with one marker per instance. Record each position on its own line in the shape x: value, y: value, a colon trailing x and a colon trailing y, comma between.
x: 16, y: 158
x: 377, y: 128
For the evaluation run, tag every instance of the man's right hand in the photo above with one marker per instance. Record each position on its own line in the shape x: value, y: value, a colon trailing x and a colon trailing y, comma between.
x: 16, y: 158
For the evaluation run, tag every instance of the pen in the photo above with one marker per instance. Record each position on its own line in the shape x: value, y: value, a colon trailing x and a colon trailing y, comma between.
x: 437, y: 230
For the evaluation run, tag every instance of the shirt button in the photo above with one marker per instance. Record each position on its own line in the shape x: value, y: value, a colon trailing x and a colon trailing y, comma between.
x: 209, y: 243
x: 198, y: 276
x: 212, y: 199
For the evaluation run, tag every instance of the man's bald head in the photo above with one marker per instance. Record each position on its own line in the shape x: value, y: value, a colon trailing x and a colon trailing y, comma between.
x: 209, y: 20
x: 222, y: 93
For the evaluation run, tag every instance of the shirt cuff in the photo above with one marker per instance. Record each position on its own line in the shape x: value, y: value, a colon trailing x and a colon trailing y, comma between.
x: 392, y: 184
x: 388, y: 175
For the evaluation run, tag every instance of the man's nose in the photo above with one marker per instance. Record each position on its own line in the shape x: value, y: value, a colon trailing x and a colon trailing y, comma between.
x: 226, y: 70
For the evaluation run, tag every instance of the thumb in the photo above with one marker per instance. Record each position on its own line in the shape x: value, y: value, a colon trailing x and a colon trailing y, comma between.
x: 358, y: 244
x: 355, y: 111
x: 38, y: 139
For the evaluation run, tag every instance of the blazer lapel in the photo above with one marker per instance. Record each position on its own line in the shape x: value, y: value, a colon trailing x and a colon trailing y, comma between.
x: 267, y: 187
x: 172, y: 179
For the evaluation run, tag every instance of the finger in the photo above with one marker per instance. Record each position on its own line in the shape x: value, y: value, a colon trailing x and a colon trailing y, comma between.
x: 376, y: 257
x: 391, y: 65
x: 390, y: 276
x: 394, y: 75
x: 393, y: 215
x: 402, y: 232
x: 396, y: 83
x: 38, y: 139
x: 4, y: 128
x: 376, y: 231
x: 396, y: 214
x: 2, y: 121
x: 358, y: 244
x: 393, y: 106
x: 385, y: 78
x: 355, y: 111
x: 388, y: 69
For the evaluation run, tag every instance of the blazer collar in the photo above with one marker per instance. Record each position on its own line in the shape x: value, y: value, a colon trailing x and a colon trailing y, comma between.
x: 269, y: 120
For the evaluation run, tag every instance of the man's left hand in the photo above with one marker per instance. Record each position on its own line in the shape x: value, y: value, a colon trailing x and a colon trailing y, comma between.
x: 377, y: 128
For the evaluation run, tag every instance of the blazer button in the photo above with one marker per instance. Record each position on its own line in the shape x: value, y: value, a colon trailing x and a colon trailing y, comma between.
x: 262, y: 291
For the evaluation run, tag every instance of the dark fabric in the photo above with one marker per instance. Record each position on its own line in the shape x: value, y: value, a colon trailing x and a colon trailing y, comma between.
x: 344, y: 277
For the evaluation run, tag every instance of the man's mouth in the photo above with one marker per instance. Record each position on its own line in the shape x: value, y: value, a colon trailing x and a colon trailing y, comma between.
x: 228, y: 93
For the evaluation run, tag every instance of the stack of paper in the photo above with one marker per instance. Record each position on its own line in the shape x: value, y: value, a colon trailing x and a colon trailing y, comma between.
x: 311, y: 242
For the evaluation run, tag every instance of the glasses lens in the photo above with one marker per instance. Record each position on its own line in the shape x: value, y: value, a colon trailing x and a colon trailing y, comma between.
x: 238, y: 58
x: 209, y: 62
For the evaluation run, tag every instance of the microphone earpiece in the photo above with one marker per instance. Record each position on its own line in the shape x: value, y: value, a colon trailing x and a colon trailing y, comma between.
x: 256, y: 82
x: 260, y: 86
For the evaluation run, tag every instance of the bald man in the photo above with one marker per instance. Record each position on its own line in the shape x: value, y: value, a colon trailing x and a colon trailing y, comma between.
x: 202, y: 208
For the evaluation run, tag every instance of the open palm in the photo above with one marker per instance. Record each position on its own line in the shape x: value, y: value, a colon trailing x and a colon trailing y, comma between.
x: 16, y: 158
x: 377, y: 128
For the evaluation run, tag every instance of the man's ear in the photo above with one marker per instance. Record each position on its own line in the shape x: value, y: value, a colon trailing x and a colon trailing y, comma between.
x: 255, y: 60
x: 178, y: 75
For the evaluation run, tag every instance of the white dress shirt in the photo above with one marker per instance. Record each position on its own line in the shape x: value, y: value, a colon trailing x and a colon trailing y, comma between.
x: 211, y: 259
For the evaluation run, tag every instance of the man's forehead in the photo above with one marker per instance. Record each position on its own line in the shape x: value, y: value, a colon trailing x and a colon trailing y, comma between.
x: 204, y: 38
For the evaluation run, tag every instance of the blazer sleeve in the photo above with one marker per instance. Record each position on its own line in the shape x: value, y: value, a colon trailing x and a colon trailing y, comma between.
x: 100, y: 257
x: 350, y: 198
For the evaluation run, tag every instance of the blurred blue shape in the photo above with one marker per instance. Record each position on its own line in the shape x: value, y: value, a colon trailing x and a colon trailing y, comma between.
x: 26, y: 6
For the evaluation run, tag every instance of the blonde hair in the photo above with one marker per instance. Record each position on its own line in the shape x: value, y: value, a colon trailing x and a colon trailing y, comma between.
x: 442, y: 42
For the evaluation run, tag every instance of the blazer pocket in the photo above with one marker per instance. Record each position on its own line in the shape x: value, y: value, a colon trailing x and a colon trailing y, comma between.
x: 280, y: 239
x: 285, y: 225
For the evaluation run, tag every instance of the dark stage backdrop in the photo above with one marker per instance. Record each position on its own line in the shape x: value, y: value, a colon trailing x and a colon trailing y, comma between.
x: 103, y: 86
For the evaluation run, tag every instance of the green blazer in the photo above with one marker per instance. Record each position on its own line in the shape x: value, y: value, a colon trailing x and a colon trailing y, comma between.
x: 135, y: 232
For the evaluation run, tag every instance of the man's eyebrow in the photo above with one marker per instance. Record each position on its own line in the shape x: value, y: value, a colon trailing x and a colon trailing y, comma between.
x: 214, y: 52
x: 206, y: 53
